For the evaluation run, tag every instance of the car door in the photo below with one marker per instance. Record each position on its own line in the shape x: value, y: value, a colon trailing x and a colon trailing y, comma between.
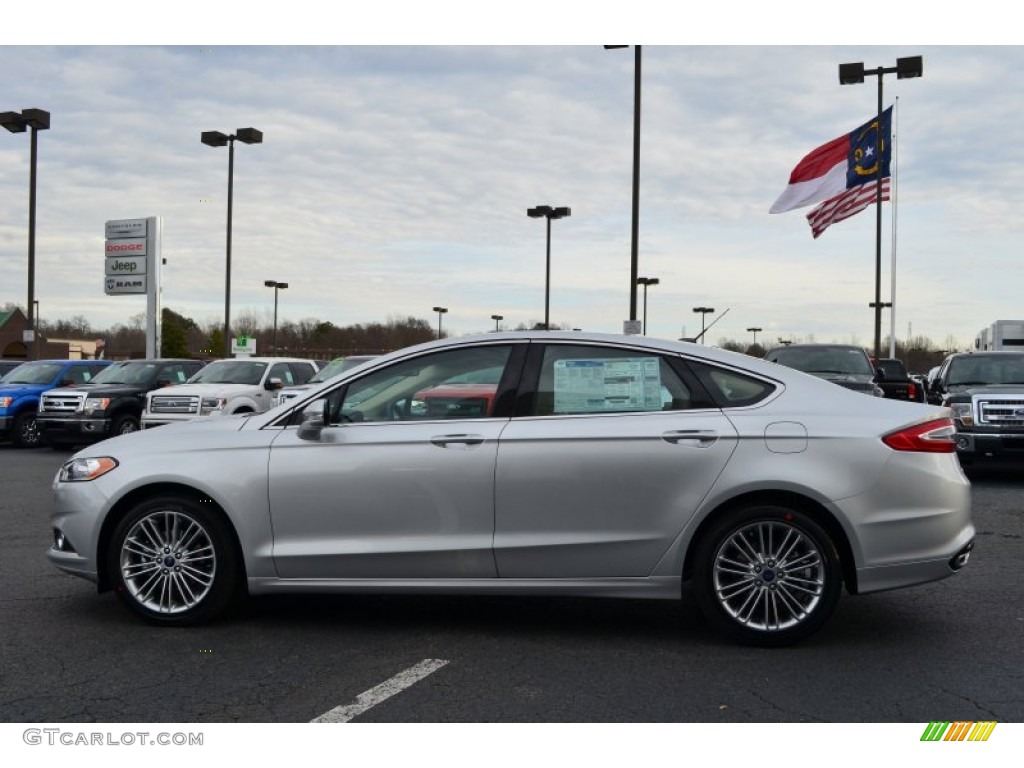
x: 603, y: 464
x: 398, y: 484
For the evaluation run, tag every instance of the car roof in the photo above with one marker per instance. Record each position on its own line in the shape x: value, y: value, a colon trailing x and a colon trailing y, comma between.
x: 818, y: 346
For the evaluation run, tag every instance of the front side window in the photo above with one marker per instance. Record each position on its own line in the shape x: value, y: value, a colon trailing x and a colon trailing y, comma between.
x: 454, y: 384
x: 283, y: 372
x: 579, y: 379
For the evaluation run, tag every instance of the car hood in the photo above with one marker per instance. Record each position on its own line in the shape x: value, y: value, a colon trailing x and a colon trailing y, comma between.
x: 207, y: 433
x: 985, y: 389
x: 857, y: 377
x: 206, y: 390
x: 20, y: 389
x: 93, y: 389
x: 298, y: 388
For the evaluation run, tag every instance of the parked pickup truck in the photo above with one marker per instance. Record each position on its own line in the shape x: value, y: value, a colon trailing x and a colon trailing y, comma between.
x: 892, y: 377
x: 224, y: 387
x: 985, y: 391
x: 109, y: 405
x: 21, y: 389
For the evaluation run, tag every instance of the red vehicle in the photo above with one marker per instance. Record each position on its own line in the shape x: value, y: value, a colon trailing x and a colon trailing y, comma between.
x: 454, y: 401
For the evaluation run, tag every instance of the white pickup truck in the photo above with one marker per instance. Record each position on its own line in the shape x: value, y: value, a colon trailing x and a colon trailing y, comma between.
x: 241, y: 385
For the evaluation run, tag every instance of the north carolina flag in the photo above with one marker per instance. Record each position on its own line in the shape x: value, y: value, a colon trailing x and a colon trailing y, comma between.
x: 843, y: 165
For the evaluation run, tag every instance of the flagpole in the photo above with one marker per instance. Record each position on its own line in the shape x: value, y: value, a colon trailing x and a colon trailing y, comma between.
x: 893, y: 198
x: 878, y: 227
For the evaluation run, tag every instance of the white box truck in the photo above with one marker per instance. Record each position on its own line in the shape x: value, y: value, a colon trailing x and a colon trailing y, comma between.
x: 1002, y: 334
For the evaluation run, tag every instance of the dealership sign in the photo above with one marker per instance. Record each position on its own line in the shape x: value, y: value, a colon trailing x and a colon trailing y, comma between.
x: 126, y: 228
x: 131, y: 265
x: 128, y: 250
x: 126, y: 285
x: 127, y: 247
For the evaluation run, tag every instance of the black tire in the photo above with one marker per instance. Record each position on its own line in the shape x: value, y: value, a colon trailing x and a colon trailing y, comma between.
x: 124, y: 424
x: 767, y: 575
x: 172, y: 561
x: 25, y: 431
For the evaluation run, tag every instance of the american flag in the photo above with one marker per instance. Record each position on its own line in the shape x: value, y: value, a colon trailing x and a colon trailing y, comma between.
x: 845, y: 205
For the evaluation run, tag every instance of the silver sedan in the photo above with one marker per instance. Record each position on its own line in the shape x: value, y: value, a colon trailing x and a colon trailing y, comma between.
x: 532, y: 464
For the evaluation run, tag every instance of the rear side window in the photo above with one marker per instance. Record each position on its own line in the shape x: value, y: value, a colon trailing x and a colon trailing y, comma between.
x: 579, y: 379
x: 729, y: 388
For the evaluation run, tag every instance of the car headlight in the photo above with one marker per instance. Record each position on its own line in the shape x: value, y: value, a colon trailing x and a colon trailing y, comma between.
x: 82, y: 470
x: 211, y: 404
x: 6, y: 401
x: 962, y: 413
x: 93, y: 404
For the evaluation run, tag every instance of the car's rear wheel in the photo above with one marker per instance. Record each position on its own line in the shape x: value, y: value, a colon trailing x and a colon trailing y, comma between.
x: 767, y: 575
x: 172, y: 561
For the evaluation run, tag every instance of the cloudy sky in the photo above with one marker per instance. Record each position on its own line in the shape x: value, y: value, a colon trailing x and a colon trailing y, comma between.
x: 393, y: 178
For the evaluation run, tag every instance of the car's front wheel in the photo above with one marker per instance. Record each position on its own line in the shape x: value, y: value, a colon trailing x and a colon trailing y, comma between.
x: 767, y: 575
x: 25, y: 431
x: 124, y: 424
x: 172, y: 561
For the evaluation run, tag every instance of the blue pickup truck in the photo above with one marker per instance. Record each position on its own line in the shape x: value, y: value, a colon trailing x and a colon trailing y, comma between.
x: 21, y: 388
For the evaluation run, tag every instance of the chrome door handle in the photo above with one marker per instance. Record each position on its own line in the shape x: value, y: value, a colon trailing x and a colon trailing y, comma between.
x: 699, y: 437
x: 443, y: 441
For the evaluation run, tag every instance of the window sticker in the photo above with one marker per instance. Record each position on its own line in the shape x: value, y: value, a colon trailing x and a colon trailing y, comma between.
x: 603, y: 385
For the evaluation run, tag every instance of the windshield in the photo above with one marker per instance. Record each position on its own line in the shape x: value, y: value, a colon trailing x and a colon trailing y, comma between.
x: 34, y: 373
x: 986, y: 369
x: 336, y: 366
x: 230, y: 372
x: 848, y: 360
x: 127, y: 373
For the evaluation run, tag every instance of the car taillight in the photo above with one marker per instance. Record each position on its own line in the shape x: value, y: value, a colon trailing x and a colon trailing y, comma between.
x: 936, y: 436
x: 912, y: 391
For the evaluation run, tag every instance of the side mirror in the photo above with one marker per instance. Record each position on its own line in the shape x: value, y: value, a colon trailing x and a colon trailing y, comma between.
x: 312, y: 424
x: 879, y: 374
x: 274, y: 383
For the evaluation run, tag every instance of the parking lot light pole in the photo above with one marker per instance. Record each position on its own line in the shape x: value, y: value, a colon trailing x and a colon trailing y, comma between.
x: 17, y: 122
x: 755, y: 331
x: 440, y: 311
x: 497, y: 319
x: 549, y: 213
x: 634, y: 253
x: 704, y: 311
x: 850, y: 74
x: 645, y: 282
x: 218, y: 139
x: 277, y: 287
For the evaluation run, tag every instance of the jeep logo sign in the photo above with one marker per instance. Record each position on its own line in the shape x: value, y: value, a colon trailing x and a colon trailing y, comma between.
x: 126, y: 247
x: 129, y: 265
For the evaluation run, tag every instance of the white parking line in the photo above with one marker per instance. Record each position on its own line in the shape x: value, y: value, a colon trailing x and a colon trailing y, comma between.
x: 379, y: 693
